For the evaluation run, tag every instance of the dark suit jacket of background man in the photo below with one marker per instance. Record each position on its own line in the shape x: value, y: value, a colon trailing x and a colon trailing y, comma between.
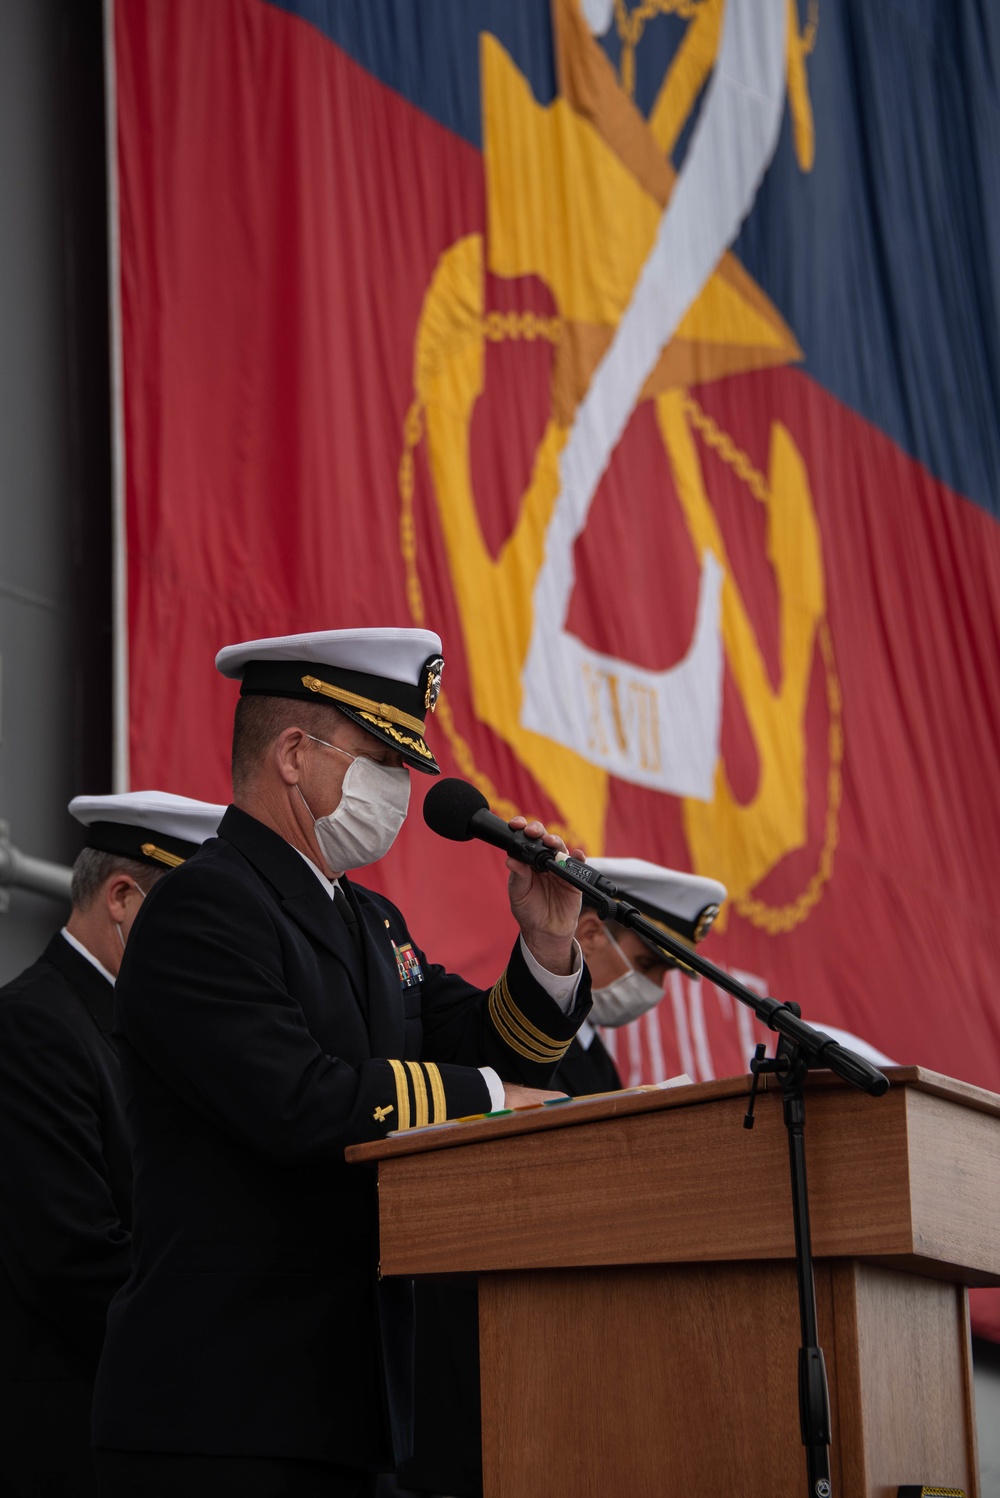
x: 65, y: 1182
x: 254, y: 1046
x: 583, y: 1071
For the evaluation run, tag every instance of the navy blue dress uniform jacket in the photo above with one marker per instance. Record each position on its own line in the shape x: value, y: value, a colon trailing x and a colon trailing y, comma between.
x: 256, y: 1044
x: 583, y: 1071
x: 65, y: 1184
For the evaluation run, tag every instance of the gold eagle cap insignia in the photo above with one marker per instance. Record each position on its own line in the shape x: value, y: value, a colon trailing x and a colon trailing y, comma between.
x: 705, y: 921
x: 434, y: 668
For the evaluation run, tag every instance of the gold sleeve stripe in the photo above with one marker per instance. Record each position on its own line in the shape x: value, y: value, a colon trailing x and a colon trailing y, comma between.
x: 419, y: 1095
x: 437, y: 1092
x: 531, y: 1031
x: 507, y: 1026
x: 402, y: 1094
x: 533, y: 1038
x: 509, y: 1038
x: 518, y: 1033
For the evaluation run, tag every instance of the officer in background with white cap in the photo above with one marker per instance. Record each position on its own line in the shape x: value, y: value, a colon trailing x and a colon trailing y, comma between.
x: 65, y: 1176
x: 626, y: 972
x: 275, y: 1012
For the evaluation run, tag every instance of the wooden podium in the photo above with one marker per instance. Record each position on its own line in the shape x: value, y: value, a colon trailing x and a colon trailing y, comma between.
x: 637, y: 1299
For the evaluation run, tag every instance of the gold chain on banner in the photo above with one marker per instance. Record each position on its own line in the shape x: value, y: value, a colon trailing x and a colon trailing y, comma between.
x: 775, y: 919
x: 632, y: 23
x: 496, y: 327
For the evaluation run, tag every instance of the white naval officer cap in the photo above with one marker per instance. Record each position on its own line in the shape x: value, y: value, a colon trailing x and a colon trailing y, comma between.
x: 386, y: 680
x: 684, y: 904
x: 152, y: 827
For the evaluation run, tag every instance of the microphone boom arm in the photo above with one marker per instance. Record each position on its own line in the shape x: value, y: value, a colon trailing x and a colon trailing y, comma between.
x: 820, y: 1049
x: 457, y: 810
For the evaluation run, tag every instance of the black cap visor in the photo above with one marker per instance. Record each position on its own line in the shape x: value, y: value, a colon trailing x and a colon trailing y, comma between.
x: 391, y: 711
x: 144, y: 844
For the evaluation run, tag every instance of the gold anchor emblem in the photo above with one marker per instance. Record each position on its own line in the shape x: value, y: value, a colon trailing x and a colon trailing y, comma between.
x: 381, y: 1114
x: 622, y: 188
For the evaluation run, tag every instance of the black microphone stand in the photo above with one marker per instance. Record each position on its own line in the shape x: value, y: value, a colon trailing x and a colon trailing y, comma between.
x: 792, y: 1068
x: 799, y: 1048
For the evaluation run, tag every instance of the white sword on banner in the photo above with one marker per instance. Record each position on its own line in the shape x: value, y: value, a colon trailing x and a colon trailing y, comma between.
x: 674, y: 716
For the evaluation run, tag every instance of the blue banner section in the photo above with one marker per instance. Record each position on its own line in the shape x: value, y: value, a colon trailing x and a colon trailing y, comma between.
x: 884, y: 258
x: 429, y: 51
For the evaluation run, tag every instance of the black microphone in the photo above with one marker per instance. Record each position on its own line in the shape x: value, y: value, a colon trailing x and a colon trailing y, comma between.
x: 457, y: 810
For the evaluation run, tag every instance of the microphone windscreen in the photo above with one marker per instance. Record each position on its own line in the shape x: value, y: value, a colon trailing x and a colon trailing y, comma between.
x: 449, y: 807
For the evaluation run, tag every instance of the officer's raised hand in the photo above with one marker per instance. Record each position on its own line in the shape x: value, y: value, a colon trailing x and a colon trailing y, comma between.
x: 545, y: 907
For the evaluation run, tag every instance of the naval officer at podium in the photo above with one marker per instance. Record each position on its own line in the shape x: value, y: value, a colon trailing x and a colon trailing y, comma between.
x: 272, y: 1012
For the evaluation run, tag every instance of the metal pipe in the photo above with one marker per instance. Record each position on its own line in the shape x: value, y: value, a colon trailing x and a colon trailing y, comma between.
x: 21, y: 871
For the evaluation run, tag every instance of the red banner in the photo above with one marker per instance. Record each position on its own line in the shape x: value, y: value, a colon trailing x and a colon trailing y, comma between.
x: 462, y: 323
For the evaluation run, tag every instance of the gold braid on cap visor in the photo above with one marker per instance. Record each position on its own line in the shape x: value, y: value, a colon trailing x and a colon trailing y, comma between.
x: 382, y: 714
x: 161, y: 855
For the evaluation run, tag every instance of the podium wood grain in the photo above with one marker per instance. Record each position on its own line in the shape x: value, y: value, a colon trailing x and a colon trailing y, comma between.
x: 912, y: 1178
x: 682, y: 1381
x: 638, y: 1308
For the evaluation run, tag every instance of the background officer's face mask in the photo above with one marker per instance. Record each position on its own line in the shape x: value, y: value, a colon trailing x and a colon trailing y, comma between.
x: 625, y: 999
x: 373, y: 803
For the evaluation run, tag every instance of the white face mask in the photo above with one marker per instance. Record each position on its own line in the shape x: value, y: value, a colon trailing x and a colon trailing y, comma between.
x: 373, y: 803
x: 625, y: 999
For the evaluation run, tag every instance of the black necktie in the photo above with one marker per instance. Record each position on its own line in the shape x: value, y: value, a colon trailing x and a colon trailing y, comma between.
x: 350, y: 920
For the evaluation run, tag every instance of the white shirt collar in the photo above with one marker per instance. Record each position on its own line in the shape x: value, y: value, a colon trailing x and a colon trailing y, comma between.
x: 330, y: 885
x: 79, y: 947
